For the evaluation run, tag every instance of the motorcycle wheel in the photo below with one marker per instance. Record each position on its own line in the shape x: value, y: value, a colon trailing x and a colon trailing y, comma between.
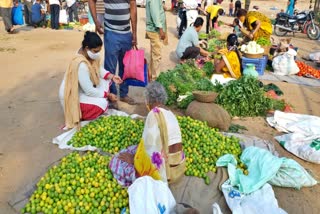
x: 278, y: 31
x: 313, y: 33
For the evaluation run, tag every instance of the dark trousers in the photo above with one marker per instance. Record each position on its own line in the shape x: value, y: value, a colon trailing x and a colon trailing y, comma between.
x: 191, y: 53
x: 73, y: 11
x: 54, y: 11
x: 208, y: 22
x: 6, y: 17
x: 116, y: 46
x: 27, y: 12
x: 183, y: 23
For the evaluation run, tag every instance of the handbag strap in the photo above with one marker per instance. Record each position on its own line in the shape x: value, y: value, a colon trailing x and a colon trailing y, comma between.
x: 164, y: 139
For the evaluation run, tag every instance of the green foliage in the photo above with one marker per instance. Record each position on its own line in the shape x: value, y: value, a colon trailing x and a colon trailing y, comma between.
x: 208, y: 68
x: 182, y: 80
x: 245, y: 97
x: 263, y: 41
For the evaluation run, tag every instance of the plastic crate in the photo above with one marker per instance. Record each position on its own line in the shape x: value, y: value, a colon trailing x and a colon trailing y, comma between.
x: 259, y: 63
x: 134, y: 82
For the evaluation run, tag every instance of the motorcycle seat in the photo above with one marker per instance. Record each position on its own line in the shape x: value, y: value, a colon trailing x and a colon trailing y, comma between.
x: 287, y: 16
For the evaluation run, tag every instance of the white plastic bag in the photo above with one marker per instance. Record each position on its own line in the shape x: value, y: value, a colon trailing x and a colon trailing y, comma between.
x: 147, y: 195
x: 63, y: 17
x: 303, y: 132
x: 315, y: 56
x: 261, y: 201
x: 285, y: 64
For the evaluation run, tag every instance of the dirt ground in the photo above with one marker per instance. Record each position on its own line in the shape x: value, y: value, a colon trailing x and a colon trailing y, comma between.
x: 32, y: 66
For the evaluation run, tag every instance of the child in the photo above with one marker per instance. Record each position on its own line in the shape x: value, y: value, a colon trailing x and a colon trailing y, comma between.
x: 17, y: 14
x: 236, y: 27
x: 231, y: 8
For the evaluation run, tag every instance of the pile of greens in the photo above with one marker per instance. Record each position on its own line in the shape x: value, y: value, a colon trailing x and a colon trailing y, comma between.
x: 181, y: 81
x: 263, y: 41
x: 246, y: 98
x: 215, y: 44
x: 203, y: 35
x: 214, y: 34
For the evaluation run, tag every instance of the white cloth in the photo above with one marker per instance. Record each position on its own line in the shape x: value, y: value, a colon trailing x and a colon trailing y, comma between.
x: 147, y: 195
x: 70, y: 2
x: 302, y: 131
x: 190, y: 4
x: 54, y: 2
x: 152, y: 139
x: 315, y: 56
x: 88, y: 94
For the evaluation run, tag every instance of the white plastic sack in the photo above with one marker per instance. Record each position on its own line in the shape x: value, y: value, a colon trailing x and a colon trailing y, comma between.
x: 63, y: 17
x: 315, y: 56
x: 216, y: 209
x: 220, y: 79
x: 261, y: 201
x: 285, y: 64
x: 147, y: 195
x: 303, y: 131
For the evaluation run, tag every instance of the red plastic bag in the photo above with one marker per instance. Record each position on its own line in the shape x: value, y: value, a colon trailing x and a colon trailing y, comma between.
x: 133, y: 62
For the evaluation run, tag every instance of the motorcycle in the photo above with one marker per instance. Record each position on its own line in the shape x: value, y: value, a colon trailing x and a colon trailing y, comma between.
x: 301, y: 22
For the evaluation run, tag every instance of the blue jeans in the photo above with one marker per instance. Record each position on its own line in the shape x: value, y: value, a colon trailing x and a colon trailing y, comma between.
x: 115, y: 46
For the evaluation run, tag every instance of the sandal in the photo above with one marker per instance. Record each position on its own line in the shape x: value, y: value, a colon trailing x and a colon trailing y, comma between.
x: 128, y: 100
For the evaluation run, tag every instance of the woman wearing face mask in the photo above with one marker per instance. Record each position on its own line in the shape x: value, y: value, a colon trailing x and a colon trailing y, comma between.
x: 84, y: 91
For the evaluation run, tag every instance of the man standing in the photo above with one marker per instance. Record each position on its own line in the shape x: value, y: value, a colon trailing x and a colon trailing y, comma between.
x: 117, y: 37
x: 27, y: 11
x: 156, y: 31
x: 100, y: 10
x: 72, y: 10
x: 54, y: 12
x: 5, y: 11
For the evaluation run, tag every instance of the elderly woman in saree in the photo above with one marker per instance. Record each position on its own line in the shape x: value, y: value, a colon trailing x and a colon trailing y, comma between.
x: 161, y: 143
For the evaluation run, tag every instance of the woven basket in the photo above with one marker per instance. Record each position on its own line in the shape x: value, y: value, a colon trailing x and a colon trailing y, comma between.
x: 253, y: 56
x: 205, y: 96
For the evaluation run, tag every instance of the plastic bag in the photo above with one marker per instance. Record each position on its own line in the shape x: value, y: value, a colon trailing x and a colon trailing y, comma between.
x: 262, y: 201
x: 303, y: 134
x: 147, y: 195
x: 143, y: 164
x: 133, y: 62
x: 264, y: 167
x: 63, y: 17
x: 285, y: 64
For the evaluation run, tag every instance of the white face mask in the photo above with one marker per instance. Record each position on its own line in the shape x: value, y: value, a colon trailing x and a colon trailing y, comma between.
x: 93, y: 56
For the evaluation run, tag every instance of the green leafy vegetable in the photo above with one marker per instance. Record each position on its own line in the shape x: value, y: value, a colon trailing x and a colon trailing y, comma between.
x: 244, y: 97
x: 263, y: 41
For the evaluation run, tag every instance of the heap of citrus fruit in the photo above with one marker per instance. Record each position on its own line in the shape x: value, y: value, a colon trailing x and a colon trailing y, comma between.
x: 111, y: 134
x: 203, y: 145
x: 79, y: 184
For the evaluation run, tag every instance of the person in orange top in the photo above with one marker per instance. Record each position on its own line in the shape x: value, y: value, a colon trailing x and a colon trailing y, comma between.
x: 5, y: 11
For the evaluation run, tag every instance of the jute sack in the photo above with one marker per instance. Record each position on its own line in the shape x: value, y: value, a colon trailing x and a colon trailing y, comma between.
x: 212, y: 113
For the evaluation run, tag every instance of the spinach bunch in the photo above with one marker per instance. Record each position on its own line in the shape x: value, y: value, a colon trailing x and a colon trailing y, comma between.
x: 244, y: 97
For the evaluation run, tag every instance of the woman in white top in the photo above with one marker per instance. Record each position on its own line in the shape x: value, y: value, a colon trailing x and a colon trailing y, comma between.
x: 84, y: 91
x: 154, y: 135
